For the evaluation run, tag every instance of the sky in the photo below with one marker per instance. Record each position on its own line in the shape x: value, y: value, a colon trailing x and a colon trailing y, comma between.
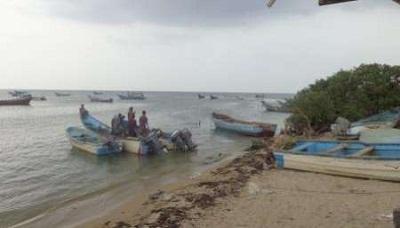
x: 190, y: 45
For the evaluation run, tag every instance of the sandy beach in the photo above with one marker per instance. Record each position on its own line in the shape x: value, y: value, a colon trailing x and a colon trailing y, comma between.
x: 248, y: 192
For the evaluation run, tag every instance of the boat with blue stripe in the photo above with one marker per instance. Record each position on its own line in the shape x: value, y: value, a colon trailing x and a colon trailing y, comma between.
x: 255, y: 129
x: 88, y: 141
x: 353, y: 159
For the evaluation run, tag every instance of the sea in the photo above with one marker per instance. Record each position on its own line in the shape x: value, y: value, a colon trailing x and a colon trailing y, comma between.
x: 42, y: 178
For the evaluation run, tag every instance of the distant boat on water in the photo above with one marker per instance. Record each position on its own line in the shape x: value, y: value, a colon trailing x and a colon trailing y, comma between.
x: 200, y: 96
x: 97, y: 93
x: 18, y: 93
x: 256, y: 129
x: 100, y: 99
x: 212, y: 97
x: 274, y: 106
x: 59, y: 94
x: 260, y: 95
x: 42, y: 98
x: 353, y: 159
x: 16, y: 101
x: 132, y: 96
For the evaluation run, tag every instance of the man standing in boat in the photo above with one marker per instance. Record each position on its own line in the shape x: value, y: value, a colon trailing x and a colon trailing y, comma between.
x: 132, y: 125
x: 130, y: 113
x: 144, y: 124
x: 82, y: 111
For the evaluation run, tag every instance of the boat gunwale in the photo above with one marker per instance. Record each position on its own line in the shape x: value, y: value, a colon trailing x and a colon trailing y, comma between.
x: 363, y: 157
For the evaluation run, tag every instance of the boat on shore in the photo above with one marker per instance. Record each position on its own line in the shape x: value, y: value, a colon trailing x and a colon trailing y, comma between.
x: 100, y: 100
x: 248, y: 128
x: 352, y: 159
x: 59, y: 94
x: 132, y: 96
x: 89, y: 142
x: 212, y: 97
x: 201, y: 96
x: 26, y: 100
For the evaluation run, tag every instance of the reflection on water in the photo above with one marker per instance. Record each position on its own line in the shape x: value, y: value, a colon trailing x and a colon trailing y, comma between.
x: 39, y: 171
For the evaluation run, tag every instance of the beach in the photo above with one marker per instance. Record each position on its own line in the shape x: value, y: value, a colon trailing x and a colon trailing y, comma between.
x: 248, y: 192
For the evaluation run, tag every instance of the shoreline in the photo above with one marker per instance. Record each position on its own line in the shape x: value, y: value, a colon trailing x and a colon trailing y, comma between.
x: 78, y: 211
x: 248, y: 192
x: 173, y: 204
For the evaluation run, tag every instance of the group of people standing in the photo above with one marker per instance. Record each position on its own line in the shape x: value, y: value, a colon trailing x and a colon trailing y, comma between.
x: 122, y: 127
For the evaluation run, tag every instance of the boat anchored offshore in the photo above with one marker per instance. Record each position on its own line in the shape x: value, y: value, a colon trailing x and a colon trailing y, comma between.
x: 132, y: 96
x: 213, y: 97
x: 100, y: 99
x: 18, y: 93
x: 59, y: 94
x: 25, y: 100
x: 353, y: 159
x: 89, y: 142
x: 256, y: 129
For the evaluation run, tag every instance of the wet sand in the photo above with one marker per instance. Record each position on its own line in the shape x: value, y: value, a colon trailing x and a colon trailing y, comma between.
x: 246, y: 192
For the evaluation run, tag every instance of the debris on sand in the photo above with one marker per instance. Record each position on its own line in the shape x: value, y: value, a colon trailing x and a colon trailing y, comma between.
x: 189, y: 203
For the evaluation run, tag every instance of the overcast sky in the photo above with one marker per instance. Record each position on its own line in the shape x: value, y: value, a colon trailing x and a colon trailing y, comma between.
x: 190, y: 45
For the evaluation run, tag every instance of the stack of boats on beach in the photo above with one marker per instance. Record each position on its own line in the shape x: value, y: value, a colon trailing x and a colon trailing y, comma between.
x: 371, y: 150
x: 97, y: 138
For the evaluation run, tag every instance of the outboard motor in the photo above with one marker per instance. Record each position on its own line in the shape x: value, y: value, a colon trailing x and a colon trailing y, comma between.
x: 186, y: 136
x: 150, y: 144
x: 182, y: 140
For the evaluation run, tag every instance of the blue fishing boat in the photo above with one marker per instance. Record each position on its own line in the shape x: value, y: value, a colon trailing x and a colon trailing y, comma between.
x: 256, y: 129
x: 89, y: 142
x: 354, y: 159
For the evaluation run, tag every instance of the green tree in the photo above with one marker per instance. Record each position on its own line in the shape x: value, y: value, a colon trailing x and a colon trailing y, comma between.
x: 353, y: 94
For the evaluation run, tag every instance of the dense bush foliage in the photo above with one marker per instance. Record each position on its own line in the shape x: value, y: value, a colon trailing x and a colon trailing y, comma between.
x: 353, y: 94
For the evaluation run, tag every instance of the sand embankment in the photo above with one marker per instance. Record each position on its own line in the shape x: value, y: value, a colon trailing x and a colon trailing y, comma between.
x: 245, y: 192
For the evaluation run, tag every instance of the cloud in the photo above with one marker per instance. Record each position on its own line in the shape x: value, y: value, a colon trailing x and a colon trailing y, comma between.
x: 184, y: 12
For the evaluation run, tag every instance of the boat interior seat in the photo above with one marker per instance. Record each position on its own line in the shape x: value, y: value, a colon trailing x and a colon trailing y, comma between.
x: 335, y: 149
x: 364, y: 152
x: 301, y: 147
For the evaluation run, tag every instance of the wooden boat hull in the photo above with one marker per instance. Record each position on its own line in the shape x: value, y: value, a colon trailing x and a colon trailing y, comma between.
x: 244, y: 128
x: 87, y: 141
x: 369, y: 169
x: 17, y: 101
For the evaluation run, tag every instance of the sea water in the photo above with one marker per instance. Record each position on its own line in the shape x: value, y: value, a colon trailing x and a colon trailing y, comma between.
x: 40, y: 172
